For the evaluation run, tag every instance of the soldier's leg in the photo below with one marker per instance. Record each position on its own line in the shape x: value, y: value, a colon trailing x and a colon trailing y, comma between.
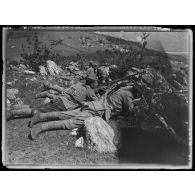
x: 25, y: 112
x: 45, y: 94
x: 38, y: 117
x: 75, y: 122
x: 55, y: 105
x: 53, y: 87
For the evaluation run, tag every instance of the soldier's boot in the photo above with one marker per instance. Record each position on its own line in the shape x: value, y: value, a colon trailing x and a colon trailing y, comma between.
x: 35, y: 119
x: 9, y: 116
x: 34, y: 133
x: 45, y: 127
x: 38, y: 117
x: 25, y: 112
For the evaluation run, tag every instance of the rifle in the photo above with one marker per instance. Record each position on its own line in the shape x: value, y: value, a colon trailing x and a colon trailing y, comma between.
x: 127, y: 78
x: 63, y: 77
x: 172, y: 92
x: 77, y: 74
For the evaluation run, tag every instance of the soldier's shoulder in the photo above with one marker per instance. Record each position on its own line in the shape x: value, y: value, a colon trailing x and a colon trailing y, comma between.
x: 78, y: 86
x: 88, y: 87
x: 125, y: 92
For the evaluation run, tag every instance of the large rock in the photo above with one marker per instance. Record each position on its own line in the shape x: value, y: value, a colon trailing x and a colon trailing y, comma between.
x: 52, y: 68
x: 11, y: 93
x: 28, y: 72
x: 42, y: 70
x: 22, y: 67
x: 99, y: 135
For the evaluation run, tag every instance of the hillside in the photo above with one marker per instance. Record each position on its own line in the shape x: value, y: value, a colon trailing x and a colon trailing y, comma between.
x: 67, y: 43
x: 57, y: 147
x: 169, y: 42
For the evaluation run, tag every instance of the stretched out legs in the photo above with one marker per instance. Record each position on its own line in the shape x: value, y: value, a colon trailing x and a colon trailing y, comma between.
x: 51, y: 116
x: 53, y: 106
x: 73, y: 120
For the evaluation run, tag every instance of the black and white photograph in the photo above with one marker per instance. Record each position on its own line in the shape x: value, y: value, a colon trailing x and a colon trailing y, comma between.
x: 77, y: 97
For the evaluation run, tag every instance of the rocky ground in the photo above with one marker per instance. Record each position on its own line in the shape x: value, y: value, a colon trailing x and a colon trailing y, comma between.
x: 57, y: 148
x: 51, y: 148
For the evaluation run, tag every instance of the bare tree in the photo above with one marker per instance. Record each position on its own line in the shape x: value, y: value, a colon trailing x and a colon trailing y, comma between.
x: 145, y: 35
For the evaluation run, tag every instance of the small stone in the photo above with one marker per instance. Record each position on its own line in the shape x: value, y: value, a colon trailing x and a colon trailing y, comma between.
x: 79, y: 143
x: 28, y: 72
x: 47, y: 100
x: 33, y: 79
x: 74, y: 132
x: 22, y: 66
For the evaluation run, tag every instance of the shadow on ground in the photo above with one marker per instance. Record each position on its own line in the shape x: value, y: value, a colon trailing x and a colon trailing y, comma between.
x: 151, y: 147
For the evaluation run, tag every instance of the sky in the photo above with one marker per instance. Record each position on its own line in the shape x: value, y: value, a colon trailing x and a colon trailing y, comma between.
x: 175, y: 42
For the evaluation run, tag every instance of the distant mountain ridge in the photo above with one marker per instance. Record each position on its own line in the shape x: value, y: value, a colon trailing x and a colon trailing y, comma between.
x: 160, y: 41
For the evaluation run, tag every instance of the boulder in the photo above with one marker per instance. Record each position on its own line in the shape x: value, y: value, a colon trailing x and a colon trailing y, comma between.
x: 22, y: 66
x: 99, y: 135
x: 52, y: 68
x: 42, y: 70
x: 11, y: 93
x: 19, y: 101
x: 28, y: 72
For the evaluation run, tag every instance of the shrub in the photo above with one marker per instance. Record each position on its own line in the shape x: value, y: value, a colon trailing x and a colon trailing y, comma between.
x: 41, y: 53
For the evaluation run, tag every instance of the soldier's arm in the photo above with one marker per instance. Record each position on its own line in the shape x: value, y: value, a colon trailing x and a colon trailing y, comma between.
x: 130, y: 104
x: 53, y: 87
x: 92, y: 96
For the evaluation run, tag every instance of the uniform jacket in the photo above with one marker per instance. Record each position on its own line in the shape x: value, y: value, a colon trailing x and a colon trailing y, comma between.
x: 114, y: 104
x: 121, y: 101
x: 79, y: 92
